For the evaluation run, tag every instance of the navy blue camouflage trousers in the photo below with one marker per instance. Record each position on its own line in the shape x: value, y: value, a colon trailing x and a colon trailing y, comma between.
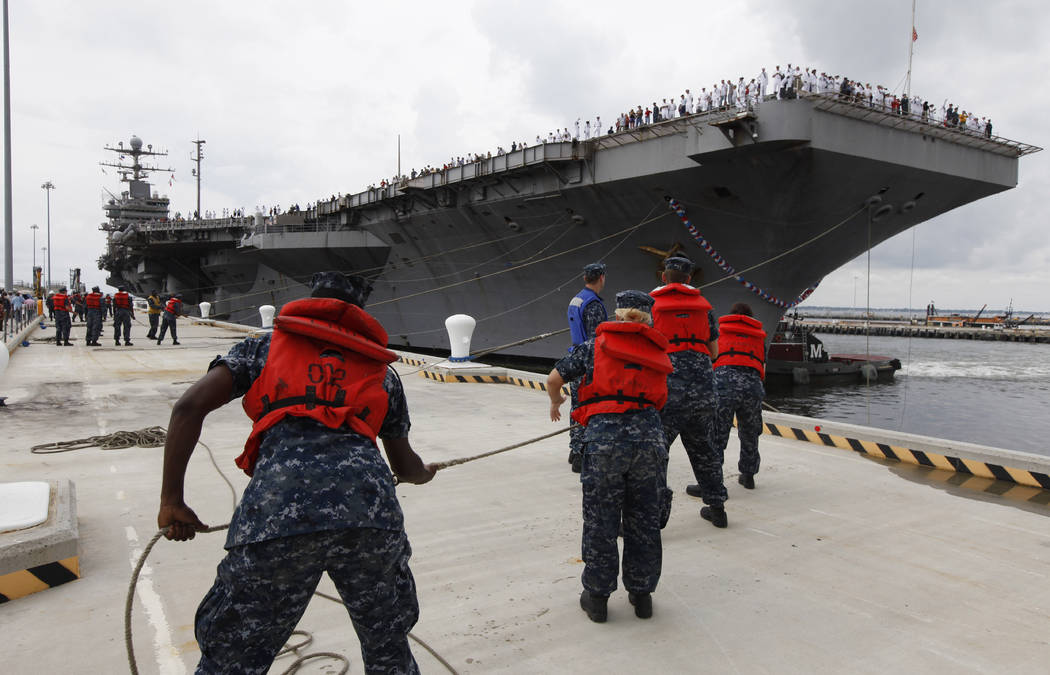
x: 622, y: 478
x: 62, y: 326
x: 262, y: 589
x: 740, y: 392
x: 705, y: 458
x: 122, y: 321
x: 94, y: 324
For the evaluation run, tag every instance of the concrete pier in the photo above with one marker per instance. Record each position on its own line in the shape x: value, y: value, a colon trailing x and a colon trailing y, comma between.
x: 836, y: 562
x: 923, y: 331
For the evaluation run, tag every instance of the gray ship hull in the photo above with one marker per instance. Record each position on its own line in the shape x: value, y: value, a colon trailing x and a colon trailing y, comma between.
x: 785, y: 194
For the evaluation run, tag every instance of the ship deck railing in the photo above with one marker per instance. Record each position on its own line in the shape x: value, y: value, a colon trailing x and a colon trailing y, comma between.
x: 270, y: 227
x: 878, y: 114
x: 544, y: 154
x: 245, y: 222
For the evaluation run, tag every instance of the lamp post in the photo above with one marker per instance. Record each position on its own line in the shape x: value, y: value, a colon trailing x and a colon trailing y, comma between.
x: 48, y: 186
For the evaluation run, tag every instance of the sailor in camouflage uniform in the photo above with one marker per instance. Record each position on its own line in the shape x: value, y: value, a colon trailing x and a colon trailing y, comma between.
x: 586, y: 311
x: 321, y: 499
x: 687, y: 321
x: 739, y: 371
x: 623, y: 373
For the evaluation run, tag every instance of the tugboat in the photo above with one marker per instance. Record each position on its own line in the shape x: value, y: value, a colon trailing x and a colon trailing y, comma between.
x: 797, y: 356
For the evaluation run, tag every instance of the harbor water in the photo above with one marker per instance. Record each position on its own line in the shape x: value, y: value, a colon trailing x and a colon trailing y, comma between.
x: 991, y: 393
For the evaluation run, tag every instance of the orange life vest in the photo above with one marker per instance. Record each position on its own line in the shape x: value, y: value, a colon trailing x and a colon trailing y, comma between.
x: 122, y: 300
x: 741, y: 342
x: 93, y: 300
x: 680, y: 313
x: 172, y: 307
x: 327, y: 361
x: 61, y: 302
x: 630, y: 371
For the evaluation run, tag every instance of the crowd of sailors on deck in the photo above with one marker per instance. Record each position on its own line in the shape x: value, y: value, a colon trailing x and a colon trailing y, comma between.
x: 790, y: 82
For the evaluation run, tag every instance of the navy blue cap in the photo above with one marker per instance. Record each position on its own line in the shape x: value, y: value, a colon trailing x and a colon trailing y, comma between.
x: 351, y: 288
x: 679, y: 264
x: 594, y: 268
x: 634, y: 300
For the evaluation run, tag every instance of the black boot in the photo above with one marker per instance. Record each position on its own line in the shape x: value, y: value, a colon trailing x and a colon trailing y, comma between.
x: 643, y: 604
x: 596, y: 606
x: 174, y: 342
x: 716, y: 515
x: 128, y: 344
x: 693, y: 490
x: 747, y: 480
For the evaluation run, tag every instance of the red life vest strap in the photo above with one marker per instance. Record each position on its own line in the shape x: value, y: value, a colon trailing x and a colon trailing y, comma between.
x: 309, y: 400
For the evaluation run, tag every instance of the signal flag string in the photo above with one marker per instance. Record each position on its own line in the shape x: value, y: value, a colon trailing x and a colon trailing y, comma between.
x: 679, y: 210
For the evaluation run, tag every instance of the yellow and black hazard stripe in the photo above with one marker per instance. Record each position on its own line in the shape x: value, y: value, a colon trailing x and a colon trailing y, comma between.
x: 23, y: 582
x: 910, y: 456
x: 441, y: 377
x: 411, y: 361
x: 533, y: 384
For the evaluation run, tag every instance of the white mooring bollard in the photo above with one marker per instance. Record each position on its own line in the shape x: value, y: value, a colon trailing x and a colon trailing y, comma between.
x: 267, y: 312
x: 205, y: 309
x: 460, y: 329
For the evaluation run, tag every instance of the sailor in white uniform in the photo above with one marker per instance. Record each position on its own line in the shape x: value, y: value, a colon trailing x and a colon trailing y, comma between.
x: 778, y: 82
x: 763, y: 83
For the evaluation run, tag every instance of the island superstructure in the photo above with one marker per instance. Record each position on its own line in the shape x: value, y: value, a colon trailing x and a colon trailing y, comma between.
x: 767, y: 201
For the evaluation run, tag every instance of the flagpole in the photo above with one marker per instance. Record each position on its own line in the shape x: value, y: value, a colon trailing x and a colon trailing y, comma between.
x: 911, y: 48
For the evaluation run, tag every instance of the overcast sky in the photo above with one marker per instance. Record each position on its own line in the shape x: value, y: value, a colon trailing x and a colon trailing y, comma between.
x: 298, y: 100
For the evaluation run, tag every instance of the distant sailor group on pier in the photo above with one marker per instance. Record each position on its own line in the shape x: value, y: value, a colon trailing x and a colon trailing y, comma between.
x: 94, y: 307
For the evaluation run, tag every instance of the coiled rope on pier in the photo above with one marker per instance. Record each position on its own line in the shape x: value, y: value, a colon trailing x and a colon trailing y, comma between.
x: 129, y: 600
x: 150, y: 437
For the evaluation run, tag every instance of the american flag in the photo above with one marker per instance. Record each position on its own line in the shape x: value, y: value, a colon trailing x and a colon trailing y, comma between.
x: 914, y: 35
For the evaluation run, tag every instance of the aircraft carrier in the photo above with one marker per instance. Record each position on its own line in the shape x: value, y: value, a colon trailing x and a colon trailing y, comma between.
x: 767, y: 201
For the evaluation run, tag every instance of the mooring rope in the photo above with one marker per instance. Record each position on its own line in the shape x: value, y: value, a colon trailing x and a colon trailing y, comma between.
x: 464, y: 460
x: 150, y: 437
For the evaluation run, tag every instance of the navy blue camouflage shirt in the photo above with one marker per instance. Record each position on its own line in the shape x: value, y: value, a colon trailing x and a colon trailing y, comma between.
x: 310, y: 478
x: 641, y: 425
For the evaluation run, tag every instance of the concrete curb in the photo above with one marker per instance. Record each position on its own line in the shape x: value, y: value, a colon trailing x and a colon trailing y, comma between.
x: 16, y: 341
x: 251, y: 330
x: 518, y: 378
x: 1012, y: 466
x: 41, y: 557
